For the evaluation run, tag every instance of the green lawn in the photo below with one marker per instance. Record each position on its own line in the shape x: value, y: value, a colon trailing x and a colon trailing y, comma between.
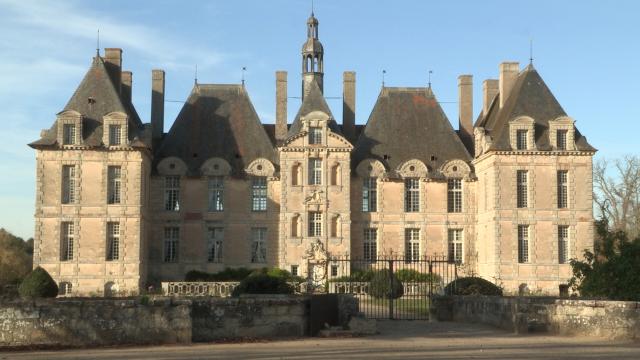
x: 404, y: 307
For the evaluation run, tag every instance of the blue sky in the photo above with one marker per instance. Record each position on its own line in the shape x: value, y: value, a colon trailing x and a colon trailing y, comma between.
x: 587, y: 51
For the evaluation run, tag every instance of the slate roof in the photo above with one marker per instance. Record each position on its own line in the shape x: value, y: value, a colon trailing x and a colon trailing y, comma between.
x: 529, y: 96
x: 405, y: 124
x: 97, y: 86
x: 313, y: 101
x: 217, y: 120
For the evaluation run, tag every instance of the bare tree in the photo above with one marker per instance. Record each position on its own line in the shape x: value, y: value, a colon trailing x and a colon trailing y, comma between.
x: 617, y: 193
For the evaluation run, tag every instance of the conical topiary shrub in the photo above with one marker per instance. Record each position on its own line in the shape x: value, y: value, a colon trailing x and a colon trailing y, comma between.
x: 385, y: 285
x: 38, y: 284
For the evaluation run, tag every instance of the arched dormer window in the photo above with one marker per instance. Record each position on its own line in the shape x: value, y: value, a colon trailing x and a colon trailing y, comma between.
x: 562, y: 133
x: 522, y: 133
x: 69, y: 128
x: 114, y: 129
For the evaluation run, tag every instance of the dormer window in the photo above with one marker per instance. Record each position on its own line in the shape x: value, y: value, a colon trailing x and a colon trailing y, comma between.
x: 115, y: 129
x: 69, y: 134
x: 521, y: 133
x: 521, y: 139
x: 115, y: 135
x: 561, y: 139
x: 315, y: 135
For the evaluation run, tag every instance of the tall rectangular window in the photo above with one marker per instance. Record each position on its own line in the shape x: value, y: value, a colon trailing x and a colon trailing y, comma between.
x: 563, y: 244
x: 315, y: 135
x: 315, y: 171
x: 259, y: 194
x: 66, y: 241
x: 563, y: 189
x: 455, y: 245
x: 522, y: 139
x: 171, y: 243
x: 172, y: 193
x: 315, y: 223
x: 216, y: 193
x: 68, y: 134
x: 370, y: 195
x: 412, y: 195
x: 259, y: 245
x: 113, y: 241
x: 412, y: 244
x: 522, y: 188
x: 114, y: 184
x: 68, y: 184
x: 561, y: 139
x: 215, y: 237
x: 523, y: 244
x: 115, y: 135
x: 370, y: 244
x: 454, y: 195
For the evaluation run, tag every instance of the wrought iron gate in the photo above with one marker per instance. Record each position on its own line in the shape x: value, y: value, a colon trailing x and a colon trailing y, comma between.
x: 391, y: 288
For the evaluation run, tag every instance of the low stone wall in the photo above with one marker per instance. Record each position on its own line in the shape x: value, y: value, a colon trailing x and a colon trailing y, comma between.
x: 609, y: 319
x: 160, y: 320
x: 93, y: 322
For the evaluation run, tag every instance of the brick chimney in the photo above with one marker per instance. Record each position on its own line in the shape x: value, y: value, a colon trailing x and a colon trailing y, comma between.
x: 157, y: 105
x: 113, y: 63
x: 508, y: 75
x: 126, y: 87
x: 489, y: 92
x: 281, y: 106
x: 465, y: 109
x: 349, y: 105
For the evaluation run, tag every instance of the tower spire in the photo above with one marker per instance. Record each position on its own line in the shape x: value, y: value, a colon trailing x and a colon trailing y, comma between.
x: 312, y: 57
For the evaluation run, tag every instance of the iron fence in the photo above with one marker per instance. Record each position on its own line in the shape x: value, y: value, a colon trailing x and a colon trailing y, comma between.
x: 391, y: 287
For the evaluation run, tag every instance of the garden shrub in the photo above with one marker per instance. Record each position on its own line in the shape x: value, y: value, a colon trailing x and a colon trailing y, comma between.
x: 385, y: 285
x: 472, y: 286
x: 611, y: 272
x: 262, y: 283
x: 410, y: 275
x: 38, y: 284
x: 228, y: 274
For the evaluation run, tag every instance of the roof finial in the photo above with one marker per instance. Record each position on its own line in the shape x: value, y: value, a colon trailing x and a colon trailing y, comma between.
x: 531, y: 51
x: 244, y: 69
x: 311, y: 7
x: 98, y: 44
x: 195, y: 77
x: 430, y: 72
x: 383, y: 72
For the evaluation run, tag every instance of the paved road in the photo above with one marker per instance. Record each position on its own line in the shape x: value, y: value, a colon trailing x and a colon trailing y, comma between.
x: 397, y: 340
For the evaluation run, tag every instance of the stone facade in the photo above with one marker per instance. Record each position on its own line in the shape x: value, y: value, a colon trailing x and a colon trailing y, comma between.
x: 221, y: 189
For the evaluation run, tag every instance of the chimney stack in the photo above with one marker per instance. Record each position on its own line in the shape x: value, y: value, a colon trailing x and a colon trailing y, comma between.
x: 465, y: 109
x: 489, y: 92
x: 281, y: 106
x: 157, y: 104
x: 113, y: 63
x: 508, y: 75
x: 349, y: 105
x: 126, y: 87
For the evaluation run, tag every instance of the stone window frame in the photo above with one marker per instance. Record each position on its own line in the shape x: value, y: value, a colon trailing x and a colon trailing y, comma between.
x: 215, y: 193
x: 119, y: 185
x: 370, y: 244
x: 172, y: 186
x: 66, y: 288
x: 315, y: 136
x: 70, y: 117
x: 113, y: 248
x: 522, y: 123
x: 115, y: 118
x: 452, y: 249
x: 73, y: 183
x: 259, y: 193
x: 315, y: 171
x: 215, y: 244
x: 455, y: 195
x: 412, y: 195
x: 524, y: 258
x: 171, y: 243
x: 562, y: 123
x: 567, y: 246
x: 68, y: 240
x: 523, y: 203
x: 259, y: 238
x: 315, y: 119
x: 370, y: 194
x: 567, y: 190
x: 412, y: 254
x: 315, y: 222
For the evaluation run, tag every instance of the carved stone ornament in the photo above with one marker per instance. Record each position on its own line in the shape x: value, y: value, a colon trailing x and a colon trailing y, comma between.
x: 314, y: 198
x: 315, y: 251
x: 455, y: 169
x: 261, y: 167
